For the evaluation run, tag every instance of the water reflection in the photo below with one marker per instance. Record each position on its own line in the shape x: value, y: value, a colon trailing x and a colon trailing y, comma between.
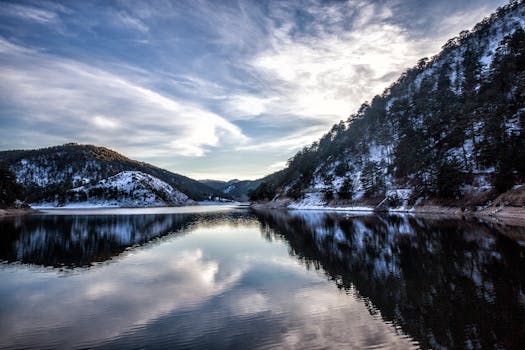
x: 447, y: 283
x: 81, y: 240
x: 241, y: 279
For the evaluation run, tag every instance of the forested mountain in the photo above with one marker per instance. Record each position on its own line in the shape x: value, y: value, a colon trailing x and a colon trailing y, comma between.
x: 449, y: 129
x: 48, y: 174
x: 238, y: 190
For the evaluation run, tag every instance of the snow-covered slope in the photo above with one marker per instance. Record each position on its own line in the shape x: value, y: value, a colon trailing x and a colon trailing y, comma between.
x: 49, y: 172
x: 125, y: 189
x: 450, y: 128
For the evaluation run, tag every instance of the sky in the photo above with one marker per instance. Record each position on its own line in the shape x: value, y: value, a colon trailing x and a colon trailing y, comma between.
x: 208, y: 89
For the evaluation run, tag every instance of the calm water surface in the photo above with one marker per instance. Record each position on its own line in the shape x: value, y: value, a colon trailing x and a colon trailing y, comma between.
x: 225, y: 277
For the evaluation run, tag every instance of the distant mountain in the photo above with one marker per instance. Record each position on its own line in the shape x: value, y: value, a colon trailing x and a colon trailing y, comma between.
x: 218, y: 184
x: 48, y: 174
x: 450, y: 130
x: 235, y: 189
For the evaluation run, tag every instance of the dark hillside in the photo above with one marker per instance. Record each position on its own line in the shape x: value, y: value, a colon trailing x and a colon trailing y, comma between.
x: 52, y: 171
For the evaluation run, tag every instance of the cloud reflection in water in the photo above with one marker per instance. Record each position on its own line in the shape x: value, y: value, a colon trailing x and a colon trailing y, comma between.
x: 269, y: 279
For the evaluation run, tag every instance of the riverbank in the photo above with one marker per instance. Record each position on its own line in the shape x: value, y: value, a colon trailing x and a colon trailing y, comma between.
x: 508, y: 206
x: 501, y: 213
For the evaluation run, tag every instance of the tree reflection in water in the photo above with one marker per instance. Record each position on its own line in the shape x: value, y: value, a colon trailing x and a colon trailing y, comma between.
x: 81, y: 240
x: 447, y: 283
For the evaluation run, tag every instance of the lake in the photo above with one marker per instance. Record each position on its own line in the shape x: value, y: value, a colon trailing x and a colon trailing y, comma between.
x: 223, y: 277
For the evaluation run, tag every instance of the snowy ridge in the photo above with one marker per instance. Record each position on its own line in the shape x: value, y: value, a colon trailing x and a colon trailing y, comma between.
x: 125, y: 189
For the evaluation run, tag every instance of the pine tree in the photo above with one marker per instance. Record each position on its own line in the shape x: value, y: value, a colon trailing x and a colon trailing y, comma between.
x: 372, y: 178
x: 10, y: 190
x: 449, y: 179
x: 346, y: 191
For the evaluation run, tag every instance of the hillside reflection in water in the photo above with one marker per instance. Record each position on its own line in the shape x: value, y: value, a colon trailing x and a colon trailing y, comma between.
x: 260, y: 279
x: 447, y: 283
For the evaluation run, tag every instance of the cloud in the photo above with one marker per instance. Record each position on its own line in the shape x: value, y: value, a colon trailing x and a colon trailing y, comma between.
x: 72, y: 96
x: 288, y: 143
x: 29, y: 13
x: 277, y: 165
x: 326, y: 74
x: 104, y: 122
x: 240, y: 106
x: 131, y: 22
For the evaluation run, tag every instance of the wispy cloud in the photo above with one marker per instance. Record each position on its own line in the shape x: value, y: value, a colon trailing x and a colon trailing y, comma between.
x: 131, y: 22
x: 75, y: 97
x: 242, y: 106
x: 103, y: 122
x: 292, y: 142
x: 27, y: 12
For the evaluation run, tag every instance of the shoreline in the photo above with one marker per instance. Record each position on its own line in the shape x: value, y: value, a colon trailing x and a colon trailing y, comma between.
x: 500, y: 214
x: 84, y: 206
x: 508, y: 214
x: 508, y: 206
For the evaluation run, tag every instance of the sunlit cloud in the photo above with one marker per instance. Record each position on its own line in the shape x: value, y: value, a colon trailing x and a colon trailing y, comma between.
x: 103, y: 122
x: 327, y: 74
x: 248, y: 105
x: 277, y: 165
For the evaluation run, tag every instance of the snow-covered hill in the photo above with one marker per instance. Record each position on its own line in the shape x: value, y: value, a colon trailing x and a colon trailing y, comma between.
x: 47, y: 174
x: 129, y: 189
x: 125, y: 189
